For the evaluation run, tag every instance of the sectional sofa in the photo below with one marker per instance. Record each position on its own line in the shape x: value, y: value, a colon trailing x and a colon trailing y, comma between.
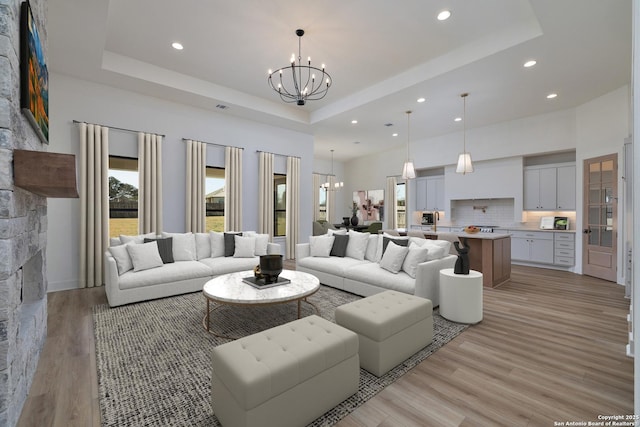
x: 145, y: 267
x: 364, y: 268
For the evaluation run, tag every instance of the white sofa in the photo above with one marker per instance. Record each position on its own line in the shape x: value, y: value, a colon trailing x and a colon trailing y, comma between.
x: 191, y: 269
x: 366, y: 277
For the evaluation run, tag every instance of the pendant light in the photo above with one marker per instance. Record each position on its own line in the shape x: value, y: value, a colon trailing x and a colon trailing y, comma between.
x: 464, y: 159
x: 336, y: 185
x: 408, y: 171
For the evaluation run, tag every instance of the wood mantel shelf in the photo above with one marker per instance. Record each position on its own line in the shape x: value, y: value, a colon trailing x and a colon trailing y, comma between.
x: 46, y: 174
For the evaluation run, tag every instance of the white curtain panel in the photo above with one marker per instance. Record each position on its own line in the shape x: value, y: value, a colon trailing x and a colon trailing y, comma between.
x: 150, y: 179
x: 196, y: 176
x: 317, y: 182
x: 390, y: 203
x: 331, y: 200
x: 94, y: 202
x: 265, y: 195
x: 233, y: 189
x: 293, y: 206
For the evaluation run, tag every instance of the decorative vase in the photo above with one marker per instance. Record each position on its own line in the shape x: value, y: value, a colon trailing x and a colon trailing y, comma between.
x: 345, y: 220
x: 462, y: 263
x: 270, y: 267
x: 354, y: 220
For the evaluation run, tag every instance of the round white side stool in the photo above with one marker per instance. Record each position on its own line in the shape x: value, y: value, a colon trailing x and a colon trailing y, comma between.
x: 461, y: 296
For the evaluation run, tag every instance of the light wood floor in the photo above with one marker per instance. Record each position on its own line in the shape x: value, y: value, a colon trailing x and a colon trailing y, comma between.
x: 551, y: 348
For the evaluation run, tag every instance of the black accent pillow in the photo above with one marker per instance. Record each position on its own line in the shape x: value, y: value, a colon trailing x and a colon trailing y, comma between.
x: 339, y: 247
x: 399, y: 242
x: 165, y: 247
x: 230, y: 243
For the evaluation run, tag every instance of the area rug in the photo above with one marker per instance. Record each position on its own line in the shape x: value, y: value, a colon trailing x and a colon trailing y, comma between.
x: 153, y: 358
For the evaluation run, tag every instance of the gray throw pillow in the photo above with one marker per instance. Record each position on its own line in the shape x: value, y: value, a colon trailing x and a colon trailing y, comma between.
x: 339, y: 247
x: 165, y: 247
x: 230, y: 243
x: 399, y: 242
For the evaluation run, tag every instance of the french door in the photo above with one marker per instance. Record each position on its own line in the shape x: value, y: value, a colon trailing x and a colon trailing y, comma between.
x: 600, y: 231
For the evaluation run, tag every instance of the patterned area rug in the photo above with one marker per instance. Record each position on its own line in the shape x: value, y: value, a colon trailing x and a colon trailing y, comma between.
x: 154, y: 365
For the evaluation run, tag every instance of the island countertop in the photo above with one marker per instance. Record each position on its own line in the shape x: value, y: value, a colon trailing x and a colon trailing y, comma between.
x: 479, y: 235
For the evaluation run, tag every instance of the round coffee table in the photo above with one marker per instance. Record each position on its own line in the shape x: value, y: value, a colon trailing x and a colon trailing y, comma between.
x: 229, y: 289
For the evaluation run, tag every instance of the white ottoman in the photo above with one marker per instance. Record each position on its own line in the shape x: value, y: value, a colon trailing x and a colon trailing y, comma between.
x: 461, y: 296
x: 285, y: 376
x: 391, y: 326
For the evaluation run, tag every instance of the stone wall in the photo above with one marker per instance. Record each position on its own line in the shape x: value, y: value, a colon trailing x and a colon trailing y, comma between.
x: 23, y: 229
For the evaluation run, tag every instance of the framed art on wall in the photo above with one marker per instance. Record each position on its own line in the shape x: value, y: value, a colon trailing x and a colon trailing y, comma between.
x: 34, y: 76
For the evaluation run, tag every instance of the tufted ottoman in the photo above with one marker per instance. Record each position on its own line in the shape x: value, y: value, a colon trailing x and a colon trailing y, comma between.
x: 391, y: 326
x: 285, y: 376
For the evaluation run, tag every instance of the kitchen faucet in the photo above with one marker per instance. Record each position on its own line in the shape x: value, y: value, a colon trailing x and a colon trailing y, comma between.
x: 436, y: 218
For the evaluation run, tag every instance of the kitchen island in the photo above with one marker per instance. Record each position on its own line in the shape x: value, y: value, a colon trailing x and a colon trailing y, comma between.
x: 489, y: 253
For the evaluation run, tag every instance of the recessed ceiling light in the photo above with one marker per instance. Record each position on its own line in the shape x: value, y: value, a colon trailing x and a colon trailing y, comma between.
x: 395, y: 134
x: 457, y: 119
x: 530, y: 63
x: 356, y: 142
x: 421, y: 99
x: 353, y: 122
x: 177, y: 46
x: 444, y: 15
x: 552, y: 95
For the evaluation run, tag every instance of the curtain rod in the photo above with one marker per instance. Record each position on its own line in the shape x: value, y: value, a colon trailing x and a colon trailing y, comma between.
x: 394, y: 176
x: 211, y: 143
x: 325, y: 174
x: 117, y: 128
x: 278, y: 154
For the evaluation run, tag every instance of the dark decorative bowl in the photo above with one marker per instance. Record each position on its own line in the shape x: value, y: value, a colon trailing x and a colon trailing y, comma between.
x: 270, y: 267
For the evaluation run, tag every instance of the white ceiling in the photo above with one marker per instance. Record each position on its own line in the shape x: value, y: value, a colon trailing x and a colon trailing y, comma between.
x: 381, y: 55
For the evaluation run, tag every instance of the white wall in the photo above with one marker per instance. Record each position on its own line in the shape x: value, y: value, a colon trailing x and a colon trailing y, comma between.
x: 73, y: 99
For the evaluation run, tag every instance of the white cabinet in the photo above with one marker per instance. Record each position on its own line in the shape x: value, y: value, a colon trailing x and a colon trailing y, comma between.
x: 566, y: 188
x: 532, y: 246
x: 435, y: 193
x: 550, y: 188
x: 429, y: 194
x: 565, y: 253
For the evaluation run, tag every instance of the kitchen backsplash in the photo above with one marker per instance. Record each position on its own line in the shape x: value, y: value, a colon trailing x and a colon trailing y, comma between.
x: 482, y: 212
x: 532, y: 218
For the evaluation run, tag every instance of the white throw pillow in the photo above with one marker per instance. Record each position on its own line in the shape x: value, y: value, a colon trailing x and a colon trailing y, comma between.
x: 393, y: 257
x: 331, y: 231
x: 115, y: 241
x: 144, y: 256
x: 357, y: 245
x: 415, y: 256
x: 136, y: 239
x: 372, y: 248
x: 445, y: 244
x: 184, y: 246
x: 217, y: 244
x: 203, y: 246
x: 245, y: 246
x: 381, y: 241
x: 436, y: 251
x: 262, y: 242
x: 123, y: 260
x: 320, y: 246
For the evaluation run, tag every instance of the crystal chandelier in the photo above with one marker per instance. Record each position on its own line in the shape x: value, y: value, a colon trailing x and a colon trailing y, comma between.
x: 408, y: 171
x: 336, y: 185
x: 464, y: 159
x: 297, y: 82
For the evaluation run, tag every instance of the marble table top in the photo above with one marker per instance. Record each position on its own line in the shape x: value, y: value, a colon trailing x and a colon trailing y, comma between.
x: 229, y: 288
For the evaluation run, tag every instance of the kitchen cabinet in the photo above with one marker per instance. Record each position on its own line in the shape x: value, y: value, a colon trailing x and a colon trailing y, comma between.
x: 566, y: 188
x: 550, y: 188
x: 429, y: 193
x: 564, y: 249
x: 532, y: 246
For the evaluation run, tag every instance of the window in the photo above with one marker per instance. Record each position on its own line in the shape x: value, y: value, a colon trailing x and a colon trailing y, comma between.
x: 322, y: 214
x: 280, y: 205
x: 401, y: 205
x: 123, y: 196
x: 214, y: 199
